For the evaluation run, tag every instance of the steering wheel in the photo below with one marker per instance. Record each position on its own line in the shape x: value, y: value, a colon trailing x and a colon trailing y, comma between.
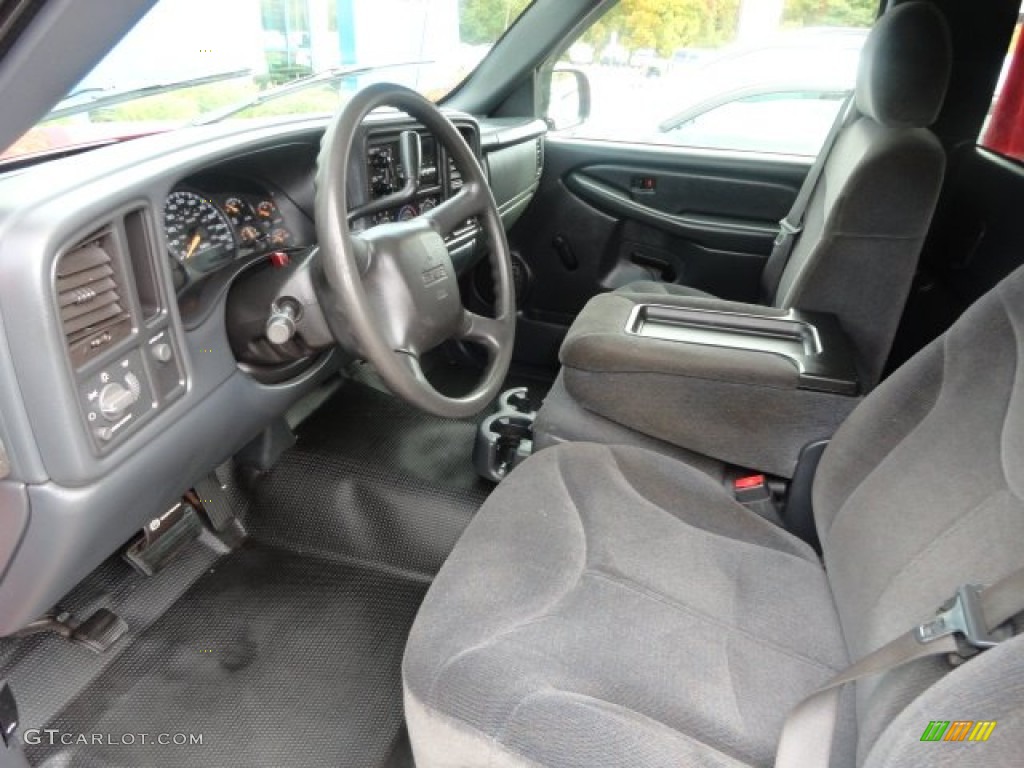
x: 390, y: 293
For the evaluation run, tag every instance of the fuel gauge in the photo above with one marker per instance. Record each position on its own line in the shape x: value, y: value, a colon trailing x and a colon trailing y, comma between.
x: 280, y: 237
x: 266, y: 209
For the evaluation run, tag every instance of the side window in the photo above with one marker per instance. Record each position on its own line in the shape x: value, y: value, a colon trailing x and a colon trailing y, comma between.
x: 1003, y: 131
x: 742, y: 75
x: 790, y: 122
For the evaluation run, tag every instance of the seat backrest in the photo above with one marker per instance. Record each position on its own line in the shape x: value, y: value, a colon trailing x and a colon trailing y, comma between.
x: 921, y: 490
x: 873, y: 203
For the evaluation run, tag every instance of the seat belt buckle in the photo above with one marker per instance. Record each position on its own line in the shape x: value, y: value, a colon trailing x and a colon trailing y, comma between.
x: 751, y: 488
x: 961, y: 616
x: 754, y: 493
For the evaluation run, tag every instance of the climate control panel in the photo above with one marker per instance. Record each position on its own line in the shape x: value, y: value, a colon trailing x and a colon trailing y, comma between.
x: 124, y: 391
x: 115, y: 396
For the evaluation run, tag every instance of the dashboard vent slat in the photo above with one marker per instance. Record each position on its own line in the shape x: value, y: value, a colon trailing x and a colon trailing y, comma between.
x: 97, y: 303
x: 84, y: 278
x: 76, y: 296
x: 90, y: 299
x: 73, y: 324
x: 82, y: 258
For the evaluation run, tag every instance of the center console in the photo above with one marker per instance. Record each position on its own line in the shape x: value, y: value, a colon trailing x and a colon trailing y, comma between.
x: 742, y: 384
x: 813, y: 343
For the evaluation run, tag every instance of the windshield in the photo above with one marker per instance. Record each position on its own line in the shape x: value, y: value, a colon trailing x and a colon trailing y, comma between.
x: 200, y: 61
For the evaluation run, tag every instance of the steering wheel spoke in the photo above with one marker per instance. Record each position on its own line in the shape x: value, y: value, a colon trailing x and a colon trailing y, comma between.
x: 391, y: 292
x: 490, y: 332
x: 453, y: 214
x: 361, y: 253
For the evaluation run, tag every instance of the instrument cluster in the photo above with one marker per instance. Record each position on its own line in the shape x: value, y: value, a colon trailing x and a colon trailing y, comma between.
x: 206, y: 231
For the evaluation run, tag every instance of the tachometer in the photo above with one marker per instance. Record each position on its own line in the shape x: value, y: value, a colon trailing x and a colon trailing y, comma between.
x: 199, y: 234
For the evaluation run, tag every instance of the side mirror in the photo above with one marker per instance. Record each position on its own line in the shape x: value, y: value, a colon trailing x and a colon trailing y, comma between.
x: 569, y: 99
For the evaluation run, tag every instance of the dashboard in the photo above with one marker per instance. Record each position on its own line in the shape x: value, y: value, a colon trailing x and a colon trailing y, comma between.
x: 221, y: 217
x: 133, y: 306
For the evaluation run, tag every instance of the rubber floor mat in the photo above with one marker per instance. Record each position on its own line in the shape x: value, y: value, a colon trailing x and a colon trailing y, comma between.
x: 270, y: 659
x: 371, y: 479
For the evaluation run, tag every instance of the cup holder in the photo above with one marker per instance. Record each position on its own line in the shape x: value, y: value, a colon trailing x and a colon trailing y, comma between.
x: 505, y: 439
x: 518, y: 400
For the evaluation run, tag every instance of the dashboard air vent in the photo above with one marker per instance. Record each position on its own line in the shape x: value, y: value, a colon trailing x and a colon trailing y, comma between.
x: 90, y: 298
x: 540, y: 157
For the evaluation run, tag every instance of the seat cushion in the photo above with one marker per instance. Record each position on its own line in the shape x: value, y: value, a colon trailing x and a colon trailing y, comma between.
x: 658, y: 288
x: 610, y: 606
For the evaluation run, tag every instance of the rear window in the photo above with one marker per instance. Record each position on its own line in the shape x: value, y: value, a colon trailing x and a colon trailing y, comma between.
x: 1003, y: 131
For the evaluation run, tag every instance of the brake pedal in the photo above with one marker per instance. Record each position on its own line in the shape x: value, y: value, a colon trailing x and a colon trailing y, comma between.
x: 164, y: 538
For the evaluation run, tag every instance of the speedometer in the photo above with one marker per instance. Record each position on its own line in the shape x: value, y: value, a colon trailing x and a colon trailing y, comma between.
x: 199, y: 234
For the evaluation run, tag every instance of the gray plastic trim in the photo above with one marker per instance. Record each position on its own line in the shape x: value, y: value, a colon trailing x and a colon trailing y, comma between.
x: 83, y: 506
x: 14, y: 519
x: 23, y: 460
x: 74, y: 529
x: 812, y: 341
x: 500, y: 132
x: 44, y: 209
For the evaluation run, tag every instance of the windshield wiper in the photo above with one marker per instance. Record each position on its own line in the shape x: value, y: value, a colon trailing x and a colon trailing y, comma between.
x: 300, y: 84
x: 88, y: 99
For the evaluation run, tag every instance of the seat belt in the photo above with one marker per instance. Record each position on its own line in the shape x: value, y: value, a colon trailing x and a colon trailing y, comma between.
x: 964, y: 625
x: 793, y: 224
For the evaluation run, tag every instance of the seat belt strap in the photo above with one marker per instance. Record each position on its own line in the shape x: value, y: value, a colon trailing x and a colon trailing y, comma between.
x: 968, y: 618
x: 793, y: 224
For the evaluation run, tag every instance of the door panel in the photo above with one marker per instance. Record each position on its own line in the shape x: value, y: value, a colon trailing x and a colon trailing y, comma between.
x: 609, y: 213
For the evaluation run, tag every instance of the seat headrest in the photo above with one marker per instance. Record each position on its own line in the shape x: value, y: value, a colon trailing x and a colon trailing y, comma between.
x: 905, y: 66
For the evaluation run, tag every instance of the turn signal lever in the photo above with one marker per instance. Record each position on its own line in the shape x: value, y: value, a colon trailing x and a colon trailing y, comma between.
x: 411, y: 153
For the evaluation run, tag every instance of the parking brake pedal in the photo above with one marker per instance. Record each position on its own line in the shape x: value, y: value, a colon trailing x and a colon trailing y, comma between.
x: 97, y: 633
